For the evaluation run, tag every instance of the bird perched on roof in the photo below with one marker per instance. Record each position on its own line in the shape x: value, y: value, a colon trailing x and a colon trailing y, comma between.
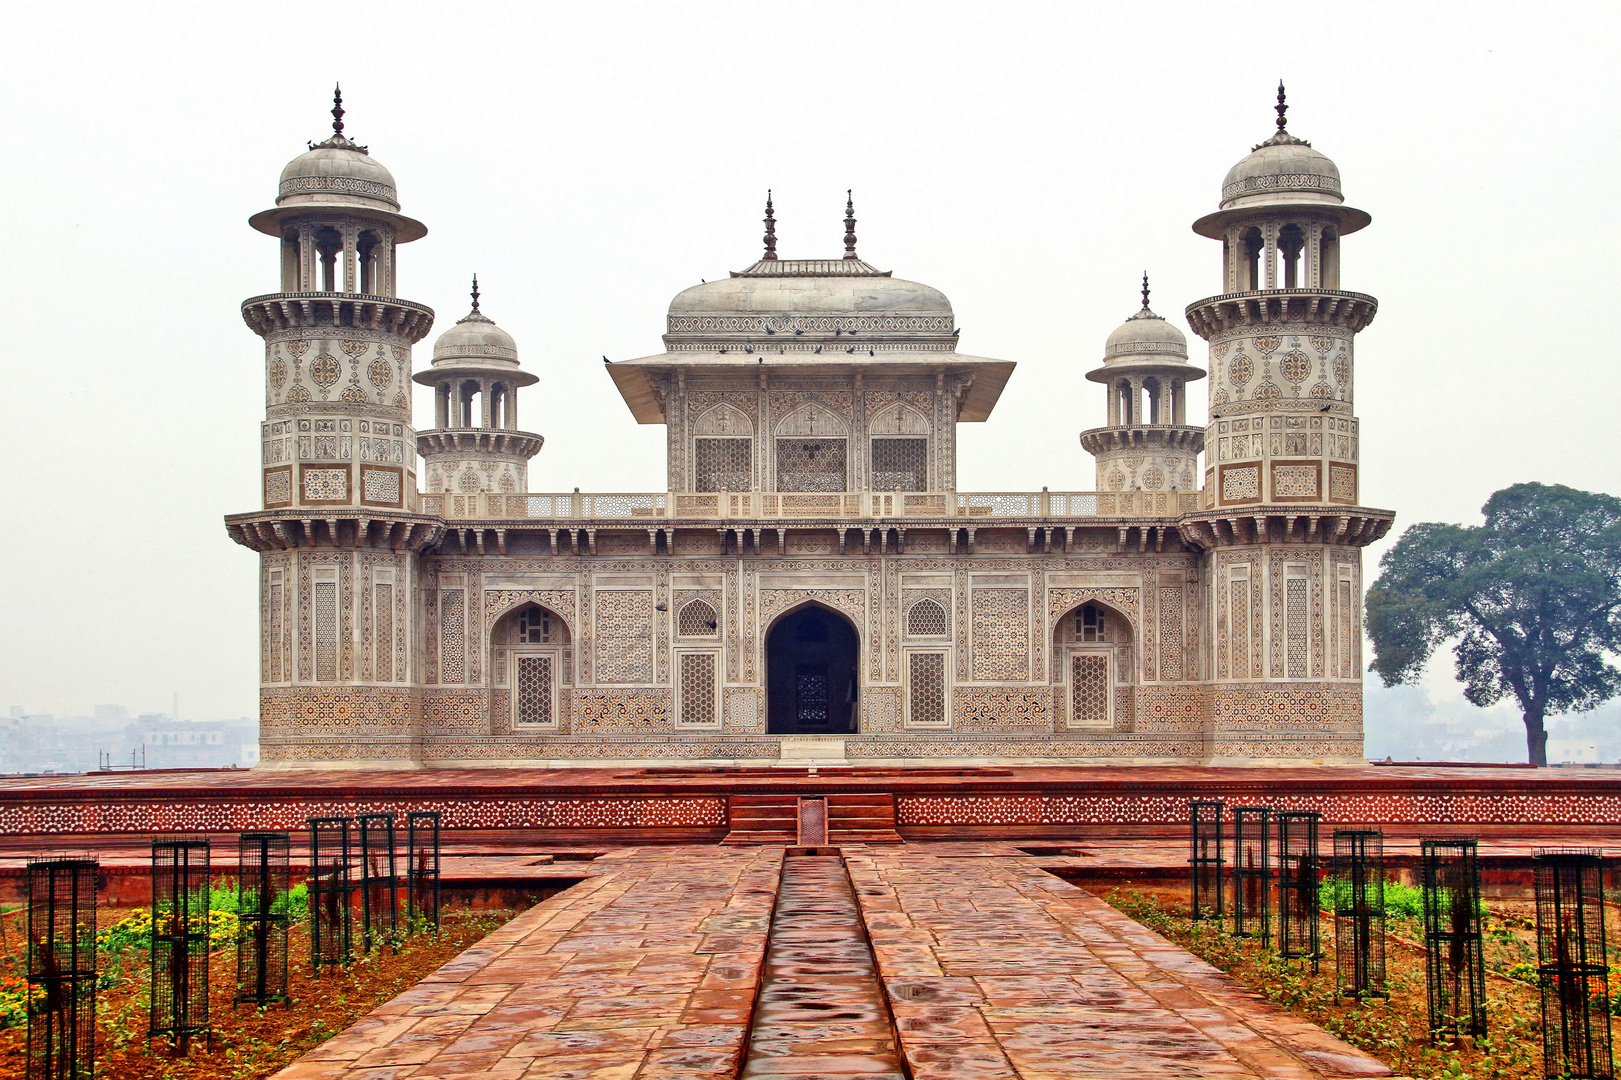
x: 799, y: 332
x: 957, y: 331
x: 605, y: 360
x: 869, y: 352
x: 769, y: 330
x: 851, y: 349
x: 818, y: 350
x: 749, y: 349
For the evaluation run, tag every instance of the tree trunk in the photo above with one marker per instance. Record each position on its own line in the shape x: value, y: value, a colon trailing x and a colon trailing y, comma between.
x: 1536, y: 738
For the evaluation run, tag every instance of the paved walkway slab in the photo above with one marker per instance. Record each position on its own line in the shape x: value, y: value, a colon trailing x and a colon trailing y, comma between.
x: 995, y: 968
x: 992, y: 968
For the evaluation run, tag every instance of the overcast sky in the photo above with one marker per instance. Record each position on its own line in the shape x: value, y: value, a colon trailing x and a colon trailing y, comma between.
x: 591, y: 160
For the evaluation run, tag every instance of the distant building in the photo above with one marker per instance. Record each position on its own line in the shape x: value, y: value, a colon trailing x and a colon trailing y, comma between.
x: 195, y: 744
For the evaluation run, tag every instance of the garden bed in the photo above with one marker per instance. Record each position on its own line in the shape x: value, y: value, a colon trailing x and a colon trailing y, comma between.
x: 1394, y: 1029
x: 248, y: 1042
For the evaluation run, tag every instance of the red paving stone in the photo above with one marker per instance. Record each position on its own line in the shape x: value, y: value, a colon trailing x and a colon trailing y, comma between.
x: 992, y: 967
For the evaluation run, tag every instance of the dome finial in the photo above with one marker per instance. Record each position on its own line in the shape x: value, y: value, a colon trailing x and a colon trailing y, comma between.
x: 1145, y: 290
x: 337, y: 110
x: 1282, y: 106
x: 849, y: 224
x: 770, y: 231
x: 475, y: 292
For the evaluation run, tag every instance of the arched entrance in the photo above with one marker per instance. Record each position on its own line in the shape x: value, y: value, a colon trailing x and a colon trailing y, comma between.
x: 810, y: 665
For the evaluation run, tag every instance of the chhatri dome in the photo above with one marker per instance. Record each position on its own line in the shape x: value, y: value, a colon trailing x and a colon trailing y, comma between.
x: 341, y: 174
x: 1282, y: 171
x: 1143, y: 334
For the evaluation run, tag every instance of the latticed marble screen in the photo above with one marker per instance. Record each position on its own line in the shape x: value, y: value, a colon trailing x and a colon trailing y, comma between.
x: 326, y: 631
x: 536, y: 678
x: 1089, y: 690
x: 697, y: 619
x: 722, y: 464
x: 1295, y: 595
x: 698, y: 688
x: 900, y: 464
x: 811, y: 465
x: 927, y: 618
x: 926, y: 687
x: 624, y: 626
x: 384, y: 605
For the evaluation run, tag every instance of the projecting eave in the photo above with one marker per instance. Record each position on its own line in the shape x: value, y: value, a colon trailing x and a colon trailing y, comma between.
x: 636, y: 378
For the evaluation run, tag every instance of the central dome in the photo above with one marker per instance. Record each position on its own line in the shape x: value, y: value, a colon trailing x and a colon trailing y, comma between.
x: 814, y: 287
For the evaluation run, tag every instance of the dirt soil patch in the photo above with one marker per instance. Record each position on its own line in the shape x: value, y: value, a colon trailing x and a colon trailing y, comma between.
x: 248, y: 1042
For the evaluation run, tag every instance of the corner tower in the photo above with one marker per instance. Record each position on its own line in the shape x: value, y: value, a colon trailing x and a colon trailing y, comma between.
x: 1147, y: 445
x: 475, y: 444
x: 339, y: 535
x: 1281, y: 514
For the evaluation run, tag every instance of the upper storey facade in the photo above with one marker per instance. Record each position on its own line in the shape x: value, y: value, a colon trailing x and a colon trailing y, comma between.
x: 811, y: 376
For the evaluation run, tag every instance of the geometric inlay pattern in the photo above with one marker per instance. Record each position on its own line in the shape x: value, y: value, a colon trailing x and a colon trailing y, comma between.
x: 1089, y: 690
x: 926, y: 686
x: 536, y: 679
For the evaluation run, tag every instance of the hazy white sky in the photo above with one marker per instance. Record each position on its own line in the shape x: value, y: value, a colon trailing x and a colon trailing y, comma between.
x: 591, y: 160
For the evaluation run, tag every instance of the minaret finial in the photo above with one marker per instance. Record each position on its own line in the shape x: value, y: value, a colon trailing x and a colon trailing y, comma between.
x: 475, y: 292
x: 849, y: 224
x: 1282, y: 106
x: 770, y: 231
x: 1145, y: 290
x: 337, y: 110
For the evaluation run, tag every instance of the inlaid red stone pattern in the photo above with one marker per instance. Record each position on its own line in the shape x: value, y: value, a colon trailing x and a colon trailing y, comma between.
x: 234, y: 815
x: 1368, y: 807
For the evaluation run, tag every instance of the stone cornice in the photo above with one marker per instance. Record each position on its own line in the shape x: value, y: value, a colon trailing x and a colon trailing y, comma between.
x: 286, y: 311
x: 1179, y: 438
x: 351, y: 527
x: 1274, y: 308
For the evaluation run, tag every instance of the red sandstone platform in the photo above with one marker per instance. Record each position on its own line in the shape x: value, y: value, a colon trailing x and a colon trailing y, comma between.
x: 624, y: 806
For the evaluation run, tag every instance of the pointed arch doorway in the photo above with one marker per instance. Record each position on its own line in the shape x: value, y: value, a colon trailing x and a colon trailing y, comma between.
x: 811, y: 657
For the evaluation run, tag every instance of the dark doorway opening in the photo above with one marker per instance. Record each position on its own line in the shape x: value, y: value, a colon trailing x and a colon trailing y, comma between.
x: 811, y: 674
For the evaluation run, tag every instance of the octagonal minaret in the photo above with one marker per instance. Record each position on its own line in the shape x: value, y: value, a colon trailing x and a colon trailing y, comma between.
x: 1282, y: 429
x: 1147, y: 445
x: 475, y: 444
x: 340, y: 536
x: 338, y: 341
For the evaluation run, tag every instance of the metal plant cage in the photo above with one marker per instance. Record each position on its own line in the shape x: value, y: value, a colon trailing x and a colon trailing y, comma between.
x: 62, y: 969
x: 1455, y: 964
x: 1299, y: 871
x: 263, y: 918
x: 180, y: 925
x: 1251, y: 872
x: 422, y: 870
x: 1359, y: 913
x: 1204, y: 819
x: 1572, y: 963
x: 331, y: 893
x: 379, y: 887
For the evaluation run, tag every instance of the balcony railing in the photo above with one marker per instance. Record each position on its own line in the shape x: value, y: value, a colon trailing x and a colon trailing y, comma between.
x: 832, y: 505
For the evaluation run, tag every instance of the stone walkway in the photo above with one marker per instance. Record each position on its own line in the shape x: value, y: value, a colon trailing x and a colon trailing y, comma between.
x: 991, y: 967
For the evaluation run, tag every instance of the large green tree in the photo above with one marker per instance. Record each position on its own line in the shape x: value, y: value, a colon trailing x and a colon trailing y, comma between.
x: 1533, y: 598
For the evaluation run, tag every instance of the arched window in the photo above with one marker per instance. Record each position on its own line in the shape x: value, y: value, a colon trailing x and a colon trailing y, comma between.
x: 366, y: 248
x: 1250, y: 265
x: 927, y: 618
x: 1090, y: 624
x: 1291, y: 242
x: 531, y: 658
x: 1330, y: 259
x: 697, y: 619
x: 328, y: 248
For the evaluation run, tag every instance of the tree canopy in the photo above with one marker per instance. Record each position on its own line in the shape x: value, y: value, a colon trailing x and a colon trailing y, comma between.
x: 1533, y: 598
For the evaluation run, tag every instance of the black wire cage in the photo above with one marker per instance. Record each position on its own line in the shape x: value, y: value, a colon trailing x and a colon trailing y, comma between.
x: 179, y: 953
x: 263, y: 918
x: 422, y: 870
x: 1299, y: 873
x: 331, y: 893
x: 1455, y: 964
x: 1251, y: 872
x: 1359, y: 913
x: 1572, y: 963
x: 62, y: 969
x: 379, y: 885
x: 1204, y: 820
